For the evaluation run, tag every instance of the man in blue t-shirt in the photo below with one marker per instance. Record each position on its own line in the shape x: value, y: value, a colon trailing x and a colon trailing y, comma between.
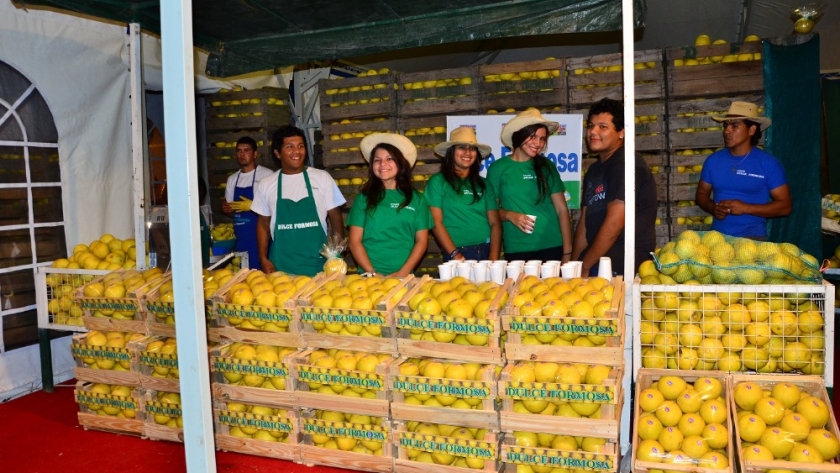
x: 748, y: 184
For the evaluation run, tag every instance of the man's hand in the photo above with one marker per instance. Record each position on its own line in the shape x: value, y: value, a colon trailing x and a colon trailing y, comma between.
x: 243, y: 205
x: 267, y: 265
x: 226, y: 208
x: 721, y: 211
x: 733, y: 207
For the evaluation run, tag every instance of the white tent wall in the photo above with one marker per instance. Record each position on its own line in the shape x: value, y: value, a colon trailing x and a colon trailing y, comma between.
x: 78, y: 66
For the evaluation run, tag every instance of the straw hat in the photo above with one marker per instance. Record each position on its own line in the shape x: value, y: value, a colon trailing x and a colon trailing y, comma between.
x: 531, y: 116
x: 463, y: 135
x: 744, y: 111
x: 399, y: 141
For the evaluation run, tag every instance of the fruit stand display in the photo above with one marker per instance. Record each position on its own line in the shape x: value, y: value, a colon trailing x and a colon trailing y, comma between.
x: 257, y: 429
x: 109, y: 302
x: 683, y: 422
x: 450, y: 448
x: 155, y: 362
x: 105, y: 357
x: 547, y: 451
x: 112, y: 408
x: 230, y: 115
x: 353, y: 313
x: 783, y: 423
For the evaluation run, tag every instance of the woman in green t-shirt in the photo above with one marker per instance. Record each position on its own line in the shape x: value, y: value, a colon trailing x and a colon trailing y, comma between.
x: 531, y: 195
x: 464, y: 208
x: 390, y: 221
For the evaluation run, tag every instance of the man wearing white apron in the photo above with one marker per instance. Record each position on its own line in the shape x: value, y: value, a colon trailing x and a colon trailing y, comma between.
x: 239, y: 193
x: 293, y: 206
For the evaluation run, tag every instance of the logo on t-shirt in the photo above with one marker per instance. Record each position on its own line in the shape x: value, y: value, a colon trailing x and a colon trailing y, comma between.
x: 528, y: 176
x: 396, y: 205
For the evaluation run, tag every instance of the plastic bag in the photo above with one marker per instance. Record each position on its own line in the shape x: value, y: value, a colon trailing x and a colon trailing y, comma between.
x: 332, y: 250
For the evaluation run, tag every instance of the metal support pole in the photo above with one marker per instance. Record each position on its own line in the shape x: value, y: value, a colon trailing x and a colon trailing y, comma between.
x: 139, y: 141
x: 46, y: 359
x: 628, y: 53
x: 182, y: 174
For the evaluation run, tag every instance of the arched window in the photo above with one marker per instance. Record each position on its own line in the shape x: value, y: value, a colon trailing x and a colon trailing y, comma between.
x: 31, y: 213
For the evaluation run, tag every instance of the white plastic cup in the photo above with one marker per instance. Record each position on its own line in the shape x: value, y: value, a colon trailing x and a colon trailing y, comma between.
x: 517, y: 262
x: 567, y: 271
x: 513, y: 270
x: 464, y: 270
x: 470, y: 261
x: 534, y: 219
x: 480, y: 271
x: 605, y: 268
x: 486, y: 261
x: 578, y: 268
x: 534, y: 261
x: 532, y: 269
x: 446, y: 271
x: 497, y: 273
x: 548, y: 270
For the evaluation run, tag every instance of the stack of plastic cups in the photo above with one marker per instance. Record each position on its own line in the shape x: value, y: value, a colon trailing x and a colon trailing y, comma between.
x: 447, y: 270
x: 549, y: 269
x: 497, y: 271
x: 514, y: 268
x: 481, y: 271
x: 532, y: 268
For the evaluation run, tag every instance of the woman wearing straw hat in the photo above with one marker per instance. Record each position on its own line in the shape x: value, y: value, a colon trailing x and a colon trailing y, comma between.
x: 390, y: 221
x: 531, y: 195
x: 748, y: 184
x: 464, y: 208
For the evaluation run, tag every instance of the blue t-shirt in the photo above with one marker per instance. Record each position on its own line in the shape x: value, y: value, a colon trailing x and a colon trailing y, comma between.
x: 749, y: 180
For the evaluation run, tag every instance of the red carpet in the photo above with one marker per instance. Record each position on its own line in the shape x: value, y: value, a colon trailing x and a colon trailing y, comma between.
x: 41, y: 434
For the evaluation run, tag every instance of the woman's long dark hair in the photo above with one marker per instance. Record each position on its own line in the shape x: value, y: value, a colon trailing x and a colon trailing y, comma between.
x: 474, y: 180
x: 374, y: 189
x: 542, y: 166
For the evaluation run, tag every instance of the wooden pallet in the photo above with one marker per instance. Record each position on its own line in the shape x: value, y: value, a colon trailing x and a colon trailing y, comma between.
x: 224, y: 419
x: 426, y: 132
x: 645, y: 378
x: 714, y: 78
x: 311, y: 454
x: 520, y: 85
x: 592, y: 78
x: 315, y: 322
x: 605, y: 460
x: 814, y: 386
x: 90, y: 419
x: 358, y: 97
x: 152, y: 407
x: 486, y: 449
x: 344, y: 136
x: 146, y: 364
x: 305, y: 373
x: 222, y: 361
x: 439, y: 92
x: 611, y: 328
x: 609, y: 396
x: 484, y: 416
x: 407, y: 320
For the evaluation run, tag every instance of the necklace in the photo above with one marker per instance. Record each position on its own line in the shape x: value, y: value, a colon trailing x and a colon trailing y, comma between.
x: 735, y: 166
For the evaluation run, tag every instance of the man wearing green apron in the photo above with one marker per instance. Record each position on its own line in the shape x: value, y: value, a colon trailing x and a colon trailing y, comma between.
x: 293, y: 207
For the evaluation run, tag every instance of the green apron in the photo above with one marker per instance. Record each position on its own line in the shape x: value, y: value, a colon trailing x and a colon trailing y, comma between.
x: 298, y: 234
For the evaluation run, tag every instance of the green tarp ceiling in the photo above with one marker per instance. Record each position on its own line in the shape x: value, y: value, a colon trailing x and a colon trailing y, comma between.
x: 251, y: 35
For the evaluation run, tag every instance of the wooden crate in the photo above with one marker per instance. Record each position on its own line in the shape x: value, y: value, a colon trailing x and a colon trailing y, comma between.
x: 243, y: 109
x: 610, y: 396
x: 315, y: 321
x: 224, y: 419
x: 408, y: 320
x: 426, y: 132
x: 690, y: 123
x: 446, y: 91
x: 227, y: 315
x: 341, y: 139
x: 646, y: 378
x: 358, y: 97
x: 523, y: 84
x: 222, y: 361
x: 107, y: 305
x: 154, y: 369
x: 59, y: 284
x: 305, y: 373
x: 714, y: 78
x: 311, y: 454
x: 651, y: 127
x: 486, y: 449
x: 152, y: 408
x: 90, y: 419
x: 605, y: 460
x: 595, y: 77
x: 611, y: 328
x: 122, y: 356
x: 484, y: 416
x: 814, y: 386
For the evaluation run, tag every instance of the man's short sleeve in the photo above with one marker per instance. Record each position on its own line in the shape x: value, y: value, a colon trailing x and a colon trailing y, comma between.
x: 614, y: 180
x: 776, y: 174
x: 261, y: 204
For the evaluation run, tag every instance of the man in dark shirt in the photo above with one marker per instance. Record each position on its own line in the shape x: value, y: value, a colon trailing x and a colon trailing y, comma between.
x: 600, y: 231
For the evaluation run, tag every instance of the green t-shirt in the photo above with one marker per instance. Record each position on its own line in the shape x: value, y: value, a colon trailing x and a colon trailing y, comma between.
x: 389, y: 233
x: 465, y: 220
x: 515, y: 185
